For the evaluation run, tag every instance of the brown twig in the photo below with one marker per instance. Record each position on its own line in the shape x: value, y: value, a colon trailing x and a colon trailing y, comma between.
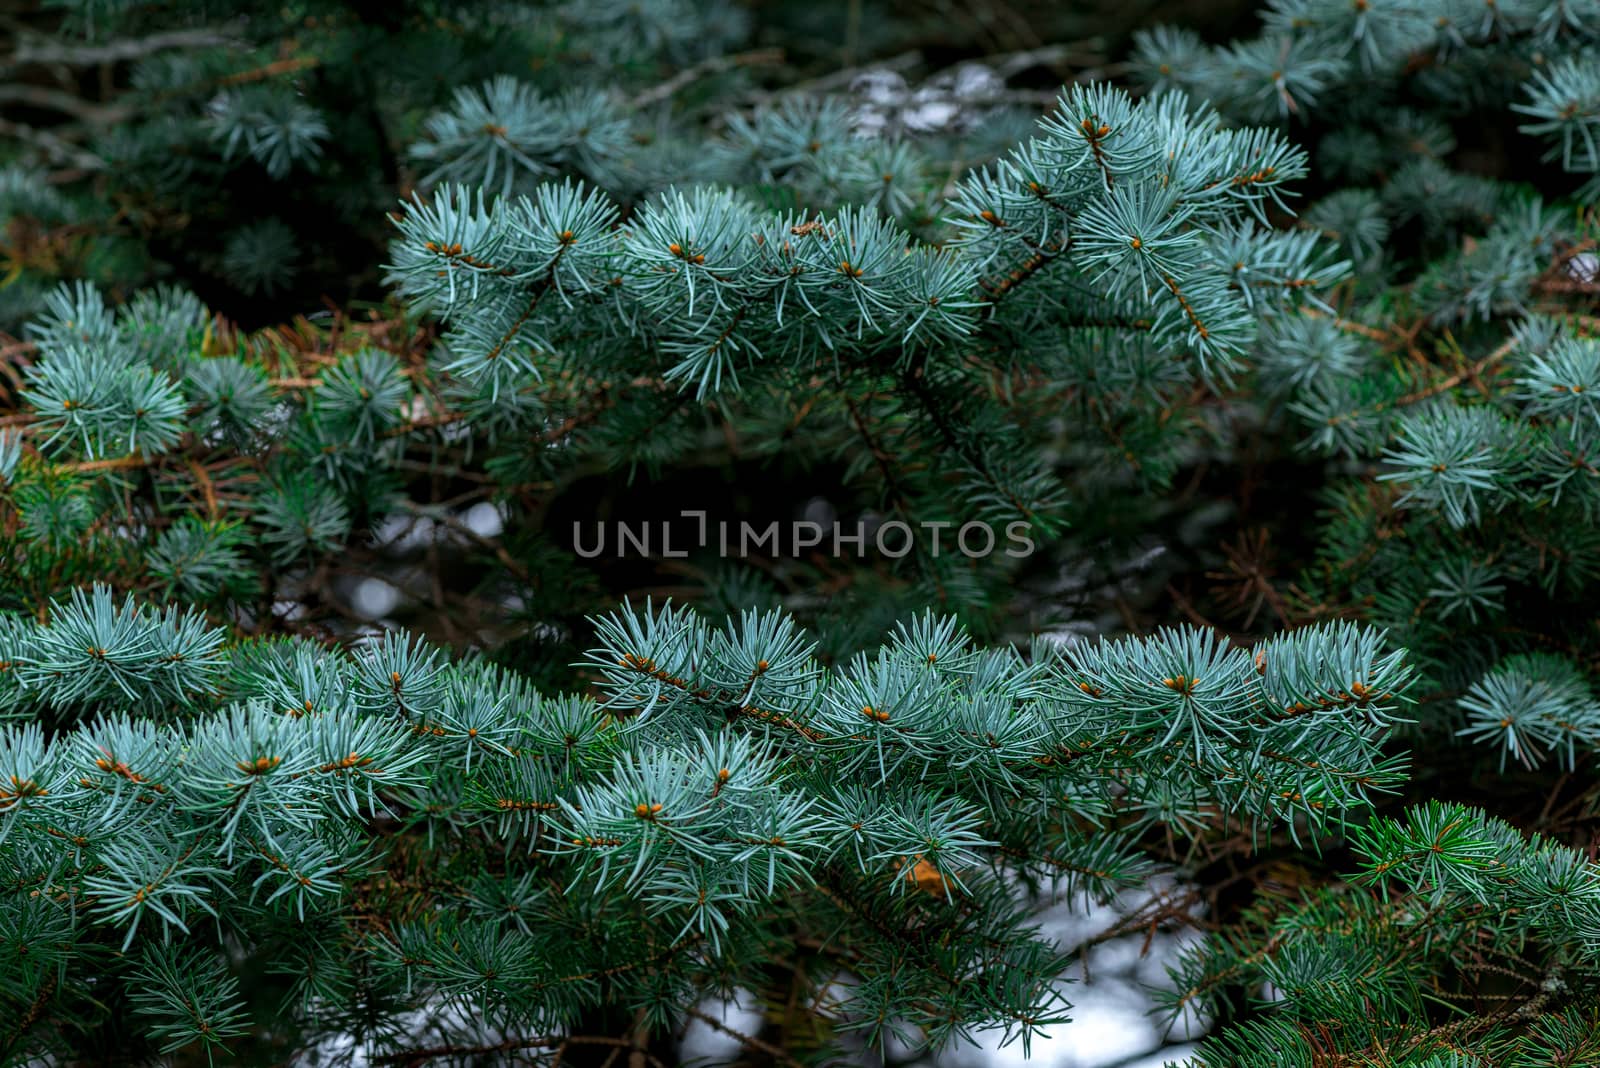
x: 49, y: 51
x: 706, y: 67
x: 748, y: 1040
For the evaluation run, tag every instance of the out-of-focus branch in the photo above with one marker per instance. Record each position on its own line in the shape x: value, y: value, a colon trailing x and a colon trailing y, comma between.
x: 45, y: 51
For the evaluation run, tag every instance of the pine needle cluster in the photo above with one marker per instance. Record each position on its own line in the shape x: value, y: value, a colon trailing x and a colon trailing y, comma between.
x: 1282, y: 355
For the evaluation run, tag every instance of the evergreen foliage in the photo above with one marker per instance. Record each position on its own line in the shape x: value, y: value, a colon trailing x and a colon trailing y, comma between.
x: 1280, y: 354
x: 242, y: 804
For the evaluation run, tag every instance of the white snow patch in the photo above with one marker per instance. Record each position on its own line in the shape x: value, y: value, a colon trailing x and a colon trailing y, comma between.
x: 485, y: 519
x: 373, y: 598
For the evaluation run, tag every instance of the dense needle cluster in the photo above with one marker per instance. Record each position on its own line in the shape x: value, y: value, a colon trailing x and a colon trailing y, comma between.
x: 1284, y: 354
